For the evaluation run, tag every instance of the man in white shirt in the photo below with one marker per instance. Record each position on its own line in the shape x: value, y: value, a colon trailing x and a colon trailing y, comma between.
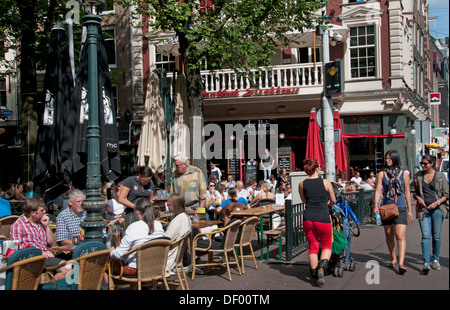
x: 357, y: 178
x: 241, y: 191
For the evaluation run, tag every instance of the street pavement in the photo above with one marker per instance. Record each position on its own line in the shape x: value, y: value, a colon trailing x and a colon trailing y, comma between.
x: 369, y: 252
x: 286, y: 283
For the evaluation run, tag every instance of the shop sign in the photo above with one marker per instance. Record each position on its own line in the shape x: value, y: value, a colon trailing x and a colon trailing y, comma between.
x: 434, y: 98
x: 250, y: 92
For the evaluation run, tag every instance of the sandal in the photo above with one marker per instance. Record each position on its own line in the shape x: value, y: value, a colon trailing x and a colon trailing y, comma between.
x: 401, y: 270
x: 392, y: 265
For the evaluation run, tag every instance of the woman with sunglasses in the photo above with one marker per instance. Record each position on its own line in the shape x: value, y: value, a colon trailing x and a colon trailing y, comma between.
x: 393, y: 186
x: 431, y: 192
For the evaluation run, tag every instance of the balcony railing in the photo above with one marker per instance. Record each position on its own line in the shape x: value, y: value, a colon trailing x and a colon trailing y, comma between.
x: 286, y: 76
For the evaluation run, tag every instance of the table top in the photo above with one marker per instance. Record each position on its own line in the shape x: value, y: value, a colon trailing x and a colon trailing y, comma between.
x: 203, y: 224
x: 258, y: 211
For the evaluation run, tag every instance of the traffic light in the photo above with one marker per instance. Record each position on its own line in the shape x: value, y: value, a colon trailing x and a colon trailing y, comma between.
x: 334, y: 78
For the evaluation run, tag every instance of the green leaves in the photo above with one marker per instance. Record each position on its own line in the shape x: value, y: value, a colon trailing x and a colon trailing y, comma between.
x: 226, y: 33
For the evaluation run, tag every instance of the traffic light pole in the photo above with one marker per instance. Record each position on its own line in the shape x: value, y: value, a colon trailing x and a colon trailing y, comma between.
x: 327, y: 115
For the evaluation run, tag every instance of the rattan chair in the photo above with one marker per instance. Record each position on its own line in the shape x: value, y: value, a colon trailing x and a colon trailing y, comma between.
x: 24, y: 269
x: 211, y: 247
x: 245, y: 240
x: 151, y: 259
x: 182, y: 244
x: 5, y: 225
x: 92, y: 258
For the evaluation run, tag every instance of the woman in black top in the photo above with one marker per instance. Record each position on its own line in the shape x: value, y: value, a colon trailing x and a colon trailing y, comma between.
x: 318, y: 195
x: 135, y: 187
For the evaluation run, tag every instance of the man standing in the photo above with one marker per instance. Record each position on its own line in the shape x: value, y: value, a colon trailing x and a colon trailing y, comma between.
x: 69, y: 220
x: 33, y: 230
x: 267, y: 163
x: 190, y: 182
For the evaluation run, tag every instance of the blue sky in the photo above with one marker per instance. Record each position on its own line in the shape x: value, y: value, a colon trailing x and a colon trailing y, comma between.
x: 439, y: 8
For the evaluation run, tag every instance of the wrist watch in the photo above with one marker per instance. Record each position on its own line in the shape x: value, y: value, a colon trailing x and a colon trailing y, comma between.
x: 439, y: 203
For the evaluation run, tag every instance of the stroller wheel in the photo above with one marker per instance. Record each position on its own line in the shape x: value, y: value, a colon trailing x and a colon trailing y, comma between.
x: 341, y: 272
x: 352, y: 266
x: 336, y: 272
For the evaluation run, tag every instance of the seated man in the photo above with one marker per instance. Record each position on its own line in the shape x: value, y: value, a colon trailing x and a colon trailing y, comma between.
x: 231, y: 207
x: 32, y: 230
x: 69, y: 220
x: 5, y: 207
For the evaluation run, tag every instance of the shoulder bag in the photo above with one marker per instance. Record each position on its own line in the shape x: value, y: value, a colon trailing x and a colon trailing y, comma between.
x: 389, y: 211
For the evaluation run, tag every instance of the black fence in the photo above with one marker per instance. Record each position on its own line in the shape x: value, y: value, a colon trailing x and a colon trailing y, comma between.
x: 360, y: 201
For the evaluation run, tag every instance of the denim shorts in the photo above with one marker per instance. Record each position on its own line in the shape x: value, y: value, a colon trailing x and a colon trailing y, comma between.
x: 401, y: 219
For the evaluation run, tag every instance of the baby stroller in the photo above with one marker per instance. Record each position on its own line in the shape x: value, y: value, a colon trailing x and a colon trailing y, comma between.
x: 341, y: 244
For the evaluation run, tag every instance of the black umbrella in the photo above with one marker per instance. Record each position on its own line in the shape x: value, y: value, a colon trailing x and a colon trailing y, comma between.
x: 75, y: 134
x: 58, y: 89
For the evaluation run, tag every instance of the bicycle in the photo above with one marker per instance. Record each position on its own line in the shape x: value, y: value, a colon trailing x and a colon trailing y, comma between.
x: 347, y: 209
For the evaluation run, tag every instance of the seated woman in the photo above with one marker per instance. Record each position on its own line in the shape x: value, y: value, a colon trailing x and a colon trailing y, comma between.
x: 231, y: 204
x: 265, y: 193
x: 113, y: 206
x: 178, y: 226
x: 145, y: 228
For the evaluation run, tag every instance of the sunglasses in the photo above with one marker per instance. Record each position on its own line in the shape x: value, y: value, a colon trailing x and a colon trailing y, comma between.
x: 424, y: 163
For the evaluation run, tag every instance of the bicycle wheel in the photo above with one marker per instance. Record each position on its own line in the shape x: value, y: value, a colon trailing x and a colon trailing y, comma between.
x: 354, y: 228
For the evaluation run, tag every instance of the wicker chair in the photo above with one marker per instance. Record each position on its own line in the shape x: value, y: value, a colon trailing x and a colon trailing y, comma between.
x: 247, y: 229
x: 24, y: 269
x: 211, y: 247
x: 92, y: 258
x: 151, y: 258
x: 5, y: 225
x: 182, y: 244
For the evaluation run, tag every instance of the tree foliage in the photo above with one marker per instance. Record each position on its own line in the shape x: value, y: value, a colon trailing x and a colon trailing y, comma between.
x: 229, y: 33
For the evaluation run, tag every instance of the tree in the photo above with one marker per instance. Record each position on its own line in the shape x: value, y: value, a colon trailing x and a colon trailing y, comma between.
x: 241, y: 35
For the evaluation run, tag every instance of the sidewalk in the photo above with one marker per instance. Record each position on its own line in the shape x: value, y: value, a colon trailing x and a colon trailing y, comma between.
x: 370, y: 253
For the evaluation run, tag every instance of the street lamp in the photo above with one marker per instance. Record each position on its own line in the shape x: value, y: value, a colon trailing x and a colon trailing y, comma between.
x: 94, y: 203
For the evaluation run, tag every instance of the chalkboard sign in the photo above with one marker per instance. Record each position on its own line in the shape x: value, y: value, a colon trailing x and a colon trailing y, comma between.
x: 233, y: 164
x: 284, y: 162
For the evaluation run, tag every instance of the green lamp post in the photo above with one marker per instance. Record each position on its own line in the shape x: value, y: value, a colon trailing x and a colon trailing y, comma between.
x: 94, y: 204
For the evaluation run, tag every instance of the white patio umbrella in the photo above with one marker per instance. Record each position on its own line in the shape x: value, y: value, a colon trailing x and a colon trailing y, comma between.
x: 153, y: 140
x: 180, y: 132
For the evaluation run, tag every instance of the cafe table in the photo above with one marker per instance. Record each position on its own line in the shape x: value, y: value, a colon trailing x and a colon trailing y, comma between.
x: 259, y: 212
x: 66, y: 249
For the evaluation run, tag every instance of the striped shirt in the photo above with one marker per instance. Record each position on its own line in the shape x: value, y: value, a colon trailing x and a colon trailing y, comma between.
x: 68, y: 224
x: 29, y: 234
x: 192, y: 185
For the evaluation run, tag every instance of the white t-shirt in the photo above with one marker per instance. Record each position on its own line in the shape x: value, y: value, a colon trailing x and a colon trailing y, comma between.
x: 179, y: 226
x: 117, y: 208
x: 356, y: 180
x: 136, y: 234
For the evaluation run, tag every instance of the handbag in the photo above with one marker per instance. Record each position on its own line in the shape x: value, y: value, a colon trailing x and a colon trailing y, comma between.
x: 389, y: 211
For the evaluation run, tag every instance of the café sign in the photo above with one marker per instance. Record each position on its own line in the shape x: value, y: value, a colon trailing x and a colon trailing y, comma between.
x: 251, y: 92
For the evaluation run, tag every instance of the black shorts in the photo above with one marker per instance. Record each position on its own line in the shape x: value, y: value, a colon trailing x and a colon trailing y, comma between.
x: 401, y: 219
x: 53, y: 261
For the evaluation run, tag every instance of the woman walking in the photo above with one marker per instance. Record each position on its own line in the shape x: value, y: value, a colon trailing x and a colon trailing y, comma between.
x: 318, y: 195
x: 431, y: 192
x: 393, y: 186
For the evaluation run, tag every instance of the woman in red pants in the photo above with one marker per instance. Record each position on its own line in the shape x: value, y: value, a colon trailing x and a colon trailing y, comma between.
x: 318, y: 196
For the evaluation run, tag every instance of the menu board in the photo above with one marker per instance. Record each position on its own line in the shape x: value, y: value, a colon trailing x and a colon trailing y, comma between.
x: 284, y: 162
x: 233, y: 164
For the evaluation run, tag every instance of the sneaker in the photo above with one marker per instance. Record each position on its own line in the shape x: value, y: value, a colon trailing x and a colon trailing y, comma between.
x: 426, y: 268
x: 435, y: 264
x: 320, y: 277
